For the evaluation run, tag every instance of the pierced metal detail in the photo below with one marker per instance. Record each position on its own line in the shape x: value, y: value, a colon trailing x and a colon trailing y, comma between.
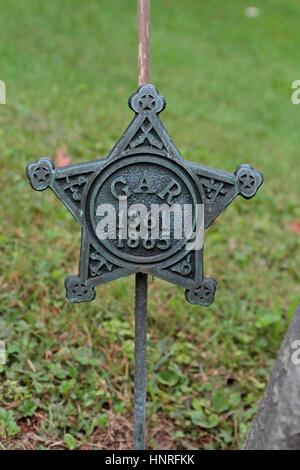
x: 249, y: 180
x: 75, y: 186
x: 96, y: 269
x: 147, y: 168
x: 214, y: 190
x: 184, y: 267
x: 78, y: 291
x: 147, y: 99
x: 39, y: 173
x: 146, y: 135
x: 203, y: 294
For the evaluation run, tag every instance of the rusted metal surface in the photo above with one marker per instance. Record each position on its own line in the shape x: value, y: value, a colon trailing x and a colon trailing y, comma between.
x: 143, y: 42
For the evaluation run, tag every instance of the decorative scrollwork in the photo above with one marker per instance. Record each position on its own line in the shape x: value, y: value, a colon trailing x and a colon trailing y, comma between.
x: 184, y: 267
x: 78, y: 291
x: 96, y: 269
x: 249, y: 180
x: 147, y: 99
x: 74, y: 186
x: 146, y: 133
x: 39, y: 173
x: 204, y: 294
x: 213, y: 189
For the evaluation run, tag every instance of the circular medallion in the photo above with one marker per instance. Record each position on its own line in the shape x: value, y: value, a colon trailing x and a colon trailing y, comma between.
x: 140, y: 209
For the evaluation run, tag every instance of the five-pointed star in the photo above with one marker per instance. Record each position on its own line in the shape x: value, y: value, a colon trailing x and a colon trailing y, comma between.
x: 248, y: 181
x: 41, y: 173
x: 77, y: 186
x: 147, y: 102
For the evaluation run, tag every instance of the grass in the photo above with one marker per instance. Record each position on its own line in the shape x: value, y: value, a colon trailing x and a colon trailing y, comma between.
x: 69, y: 67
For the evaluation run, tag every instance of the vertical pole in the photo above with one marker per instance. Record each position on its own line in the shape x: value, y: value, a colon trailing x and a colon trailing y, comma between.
x: 141, y: 279
x: 141, y: 282
x: 143, y: 42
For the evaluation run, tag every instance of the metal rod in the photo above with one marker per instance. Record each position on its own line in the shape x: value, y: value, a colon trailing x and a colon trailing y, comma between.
x: 143, y: 42
x: 141, y: 279
x: 140, y: 360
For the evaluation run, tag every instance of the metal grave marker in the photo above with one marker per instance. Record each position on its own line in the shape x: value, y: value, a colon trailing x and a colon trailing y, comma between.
x: 143, y: 210
x: 144, y: 172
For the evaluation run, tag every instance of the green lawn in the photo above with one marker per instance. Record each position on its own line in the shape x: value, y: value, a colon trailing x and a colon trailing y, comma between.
x: 69, y: 67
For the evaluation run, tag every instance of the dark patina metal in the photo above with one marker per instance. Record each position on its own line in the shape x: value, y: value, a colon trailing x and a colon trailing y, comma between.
x: 146, y: 166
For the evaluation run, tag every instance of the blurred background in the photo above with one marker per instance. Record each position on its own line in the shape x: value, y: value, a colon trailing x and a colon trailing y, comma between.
x: 226, y: 69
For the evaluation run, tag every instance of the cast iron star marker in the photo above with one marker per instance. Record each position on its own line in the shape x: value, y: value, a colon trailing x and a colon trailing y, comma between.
x: 147, y: 168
